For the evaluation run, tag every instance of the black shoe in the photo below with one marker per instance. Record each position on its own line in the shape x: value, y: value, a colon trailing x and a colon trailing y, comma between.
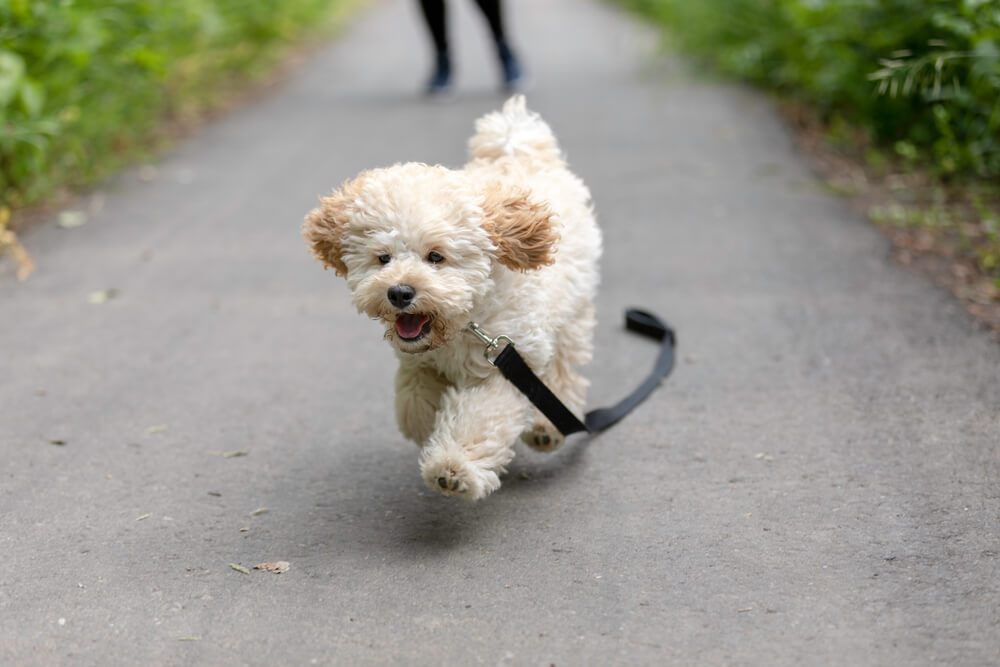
x: 440, y: 82
x: 514, y: 77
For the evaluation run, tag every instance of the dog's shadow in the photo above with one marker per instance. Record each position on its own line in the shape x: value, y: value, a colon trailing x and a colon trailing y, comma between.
x: 397, y: 514
x: 532, y: 481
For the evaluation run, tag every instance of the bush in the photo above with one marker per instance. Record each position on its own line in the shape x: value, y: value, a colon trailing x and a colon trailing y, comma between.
x: 85, y: 83
x: 922, y: 76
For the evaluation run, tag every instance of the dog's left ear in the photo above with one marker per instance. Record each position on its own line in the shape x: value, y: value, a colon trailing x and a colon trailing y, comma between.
x: 323, y: 228
x: 522, y: 229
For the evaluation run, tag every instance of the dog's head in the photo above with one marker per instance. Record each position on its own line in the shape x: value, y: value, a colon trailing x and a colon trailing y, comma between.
x: 418, y: 246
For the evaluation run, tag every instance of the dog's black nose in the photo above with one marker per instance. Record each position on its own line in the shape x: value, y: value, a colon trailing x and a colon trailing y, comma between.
x: 401, y: 296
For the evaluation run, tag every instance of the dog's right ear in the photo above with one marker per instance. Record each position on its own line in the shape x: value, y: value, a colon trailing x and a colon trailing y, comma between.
x: 323, y: 228
x: 521, y: 228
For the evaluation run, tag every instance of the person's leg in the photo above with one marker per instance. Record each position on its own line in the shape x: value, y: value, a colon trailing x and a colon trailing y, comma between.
x: 492, y: 11
x: 513, y: 75
x: 434, y: 15
x: 436, y: 20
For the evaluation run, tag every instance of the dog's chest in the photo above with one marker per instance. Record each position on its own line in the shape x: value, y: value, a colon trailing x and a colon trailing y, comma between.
x: 460, y: 364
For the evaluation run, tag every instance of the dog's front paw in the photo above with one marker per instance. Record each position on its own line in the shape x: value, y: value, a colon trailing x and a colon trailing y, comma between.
x: 543, y: 436
x: 454, y: 475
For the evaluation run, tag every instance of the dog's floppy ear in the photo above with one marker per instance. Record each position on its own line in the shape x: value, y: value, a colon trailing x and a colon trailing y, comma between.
x: 323, y: 227
x: 522, y: 229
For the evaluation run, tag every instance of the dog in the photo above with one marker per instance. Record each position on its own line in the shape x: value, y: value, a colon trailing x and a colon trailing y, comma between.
x: 509, y: 242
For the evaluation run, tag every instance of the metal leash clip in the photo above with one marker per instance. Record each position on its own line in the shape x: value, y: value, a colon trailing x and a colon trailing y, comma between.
x: 491, y: 343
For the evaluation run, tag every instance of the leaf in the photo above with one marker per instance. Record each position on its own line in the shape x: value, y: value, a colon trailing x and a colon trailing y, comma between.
x: 232, y: 455
x: 10, y: 244
x: 11, y: 74
x: 239, y: 568
x: 25, y: 267
x: 32, y: 97
x: 260, y: 510
x: 102, y: 295
x: 159, y: 428
x: 278, y: 567
x: 71, y: 219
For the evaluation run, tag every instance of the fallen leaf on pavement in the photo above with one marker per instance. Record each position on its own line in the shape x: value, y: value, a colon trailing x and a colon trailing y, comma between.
x: 239, y: 568
x: 10, y: 244
x: 279, y: 567
x: 102, y: 295
x: 71, y: 219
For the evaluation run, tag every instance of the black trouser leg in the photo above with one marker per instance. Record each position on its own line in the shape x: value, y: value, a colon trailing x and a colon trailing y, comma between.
x: 513, y: 75
x: 437, y: 25
x: 434, y: 16
x: 491, y: 10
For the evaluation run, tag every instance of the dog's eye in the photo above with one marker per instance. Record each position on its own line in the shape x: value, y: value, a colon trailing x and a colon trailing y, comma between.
x: 435, y: 257
x: 384, y: 259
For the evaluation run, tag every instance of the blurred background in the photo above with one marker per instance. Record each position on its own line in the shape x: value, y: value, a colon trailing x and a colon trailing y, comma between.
x: 902, y: 95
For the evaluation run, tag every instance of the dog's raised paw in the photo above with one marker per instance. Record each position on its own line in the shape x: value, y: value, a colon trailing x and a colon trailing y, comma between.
x: 449, y: 475
x: 450, y: 481
x: 543, y: 437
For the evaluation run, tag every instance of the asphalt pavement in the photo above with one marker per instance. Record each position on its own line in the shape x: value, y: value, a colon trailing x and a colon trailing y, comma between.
x: 817, y: 483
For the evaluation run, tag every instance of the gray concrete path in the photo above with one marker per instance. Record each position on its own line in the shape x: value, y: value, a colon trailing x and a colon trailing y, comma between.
x: 819, y: 483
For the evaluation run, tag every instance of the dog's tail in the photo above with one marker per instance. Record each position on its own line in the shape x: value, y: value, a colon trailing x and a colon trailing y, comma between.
x: 516, y: 132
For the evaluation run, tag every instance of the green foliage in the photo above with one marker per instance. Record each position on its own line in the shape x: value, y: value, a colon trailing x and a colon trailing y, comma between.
x: 85, y: 83
x: 922, y: 76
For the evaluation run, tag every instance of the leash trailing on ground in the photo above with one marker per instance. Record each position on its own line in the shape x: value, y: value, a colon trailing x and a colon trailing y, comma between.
x: 514, y: 368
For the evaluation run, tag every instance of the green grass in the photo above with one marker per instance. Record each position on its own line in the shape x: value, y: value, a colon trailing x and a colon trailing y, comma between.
x: 921, y: 76
x: 906, y: 86
x: 87, y: 85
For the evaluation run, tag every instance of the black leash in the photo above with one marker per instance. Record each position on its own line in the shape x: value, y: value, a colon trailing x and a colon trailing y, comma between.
x: 514, y: 368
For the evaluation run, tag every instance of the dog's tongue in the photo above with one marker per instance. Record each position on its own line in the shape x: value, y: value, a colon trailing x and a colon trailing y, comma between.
x: 410, y: 326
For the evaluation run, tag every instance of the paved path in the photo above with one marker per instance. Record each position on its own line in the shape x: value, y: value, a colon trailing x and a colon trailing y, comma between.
x: 817, y: 484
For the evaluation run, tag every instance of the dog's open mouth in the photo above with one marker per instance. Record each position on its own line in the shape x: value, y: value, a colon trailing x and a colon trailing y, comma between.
x: 412, y: 326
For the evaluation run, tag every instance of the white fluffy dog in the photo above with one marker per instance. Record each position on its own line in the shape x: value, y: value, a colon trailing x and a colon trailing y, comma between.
x: 509, y: 242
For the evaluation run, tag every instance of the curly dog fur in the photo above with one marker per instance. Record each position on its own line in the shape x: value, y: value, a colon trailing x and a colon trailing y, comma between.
x: 509, y: 242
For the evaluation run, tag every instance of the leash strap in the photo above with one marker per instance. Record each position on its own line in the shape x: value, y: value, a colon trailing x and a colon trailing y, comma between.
x: 514, y: 368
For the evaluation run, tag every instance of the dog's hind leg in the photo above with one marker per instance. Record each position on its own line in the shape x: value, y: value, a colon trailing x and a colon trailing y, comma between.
x: 418, y: 397
x: 574, y: 348
x: 569, y: 387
